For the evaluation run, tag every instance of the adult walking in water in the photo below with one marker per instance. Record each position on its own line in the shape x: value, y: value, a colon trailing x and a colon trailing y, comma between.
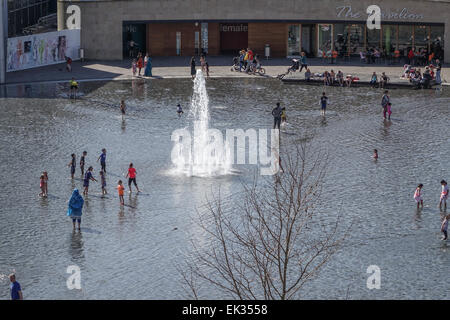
x: 148, y: 67
x: 131, y: 175
x: 193, y: 71
x: 385, y: 100
x: 74, y: 210
x: 276, y: 112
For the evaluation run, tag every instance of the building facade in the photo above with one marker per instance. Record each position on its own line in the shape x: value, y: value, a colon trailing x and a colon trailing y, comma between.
x: 26, y: 13
x: 189, y: 27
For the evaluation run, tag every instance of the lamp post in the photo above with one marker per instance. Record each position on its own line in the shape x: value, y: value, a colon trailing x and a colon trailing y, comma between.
x: 3, y: 38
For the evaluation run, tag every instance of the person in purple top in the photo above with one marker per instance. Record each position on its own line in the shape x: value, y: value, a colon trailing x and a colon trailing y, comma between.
x: 87, y: 177
x: 16, y: 290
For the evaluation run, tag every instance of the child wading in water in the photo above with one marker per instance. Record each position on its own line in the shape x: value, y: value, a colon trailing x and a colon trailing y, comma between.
x: 46, y: 182
x: 83, y: 162
x: 389, y: 111
x: 120, y: 189
x: 87, y: 177
x: 102, y: 159
x: 179, y: 110
x: 103, y: 181
x: 444, y: 195
x: 323, y: 103
x: 375, y: 154
x: 444, y: 227
x: 72, y: 164
x: 122, y: 108
x: 418, y: 195
x: 42, y: 185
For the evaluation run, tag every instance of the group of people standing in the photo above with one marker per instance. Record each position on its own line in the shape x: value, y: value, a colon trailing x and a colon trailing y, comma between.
x: 76, y: 201
x: 442, y: 203
x: 203, y: 63
x: 142, y: 63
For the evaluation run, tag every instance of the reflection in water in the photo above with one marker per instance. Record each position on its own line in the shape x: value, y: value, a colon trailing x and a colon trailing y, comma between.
x: 76, y: 250
x: 124, y: 125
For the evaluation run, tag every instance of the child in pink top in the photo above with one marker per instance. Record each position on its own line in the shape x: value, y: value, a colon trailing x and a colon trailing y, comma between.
x: 418, y: 195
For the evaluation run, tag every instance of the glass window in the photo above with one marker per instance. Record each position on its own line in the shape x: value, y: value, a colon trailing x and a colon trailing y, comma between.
x: 294, y: 40
x: 389, y: 39
x: 340, y: 39
x: 405, y: 37
x: 355, y: 35
x: 421, y: 37
x: 437, y: 41
x: 373, y: 38
x: 324, y: 38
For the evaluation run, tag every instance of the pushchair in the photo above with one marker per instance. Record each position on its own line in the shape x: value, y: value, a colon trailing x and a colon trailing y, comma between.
x: 235, y: 66
x: 294, y: 67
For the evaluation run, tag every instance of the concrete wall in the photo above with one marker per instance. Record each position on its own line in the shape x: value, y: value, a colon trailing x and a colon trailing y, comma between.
x: 101, y: 21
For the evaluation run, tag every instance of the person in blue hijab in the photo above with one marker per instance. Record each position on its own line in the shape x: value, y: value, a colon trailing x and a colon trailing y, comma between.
x: 75, y: 208
x: 148, y: 68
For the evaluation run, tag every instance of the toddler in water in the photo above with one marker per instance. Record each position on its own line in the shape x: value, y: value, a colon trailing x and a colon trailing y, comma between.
x: 444, y: 195
x: 120, y: 189
x: 444, y: 227
x: 418, y: 195
x: 375, y: 154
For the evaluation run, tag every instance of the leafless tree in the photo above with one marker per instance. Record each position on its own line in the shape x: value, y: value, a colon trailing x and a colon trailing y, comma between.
x: 270, y: 242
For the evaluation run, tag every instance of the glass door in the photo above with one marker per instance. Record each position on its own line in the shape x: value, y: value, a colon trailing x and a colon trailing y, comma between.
x: 324, y: 39
x: 294, y: 40
x: 308, y: 39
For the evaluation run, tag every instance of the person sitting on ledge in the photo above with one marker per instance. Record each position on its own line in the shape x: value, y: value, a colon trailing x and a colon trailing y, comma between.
x: 308, y: 75
x: 374, y: 79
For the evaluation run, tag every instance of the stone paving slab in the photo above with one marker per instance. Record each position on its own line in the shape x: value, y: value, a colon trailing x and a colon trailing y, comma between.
x: 178, y: 67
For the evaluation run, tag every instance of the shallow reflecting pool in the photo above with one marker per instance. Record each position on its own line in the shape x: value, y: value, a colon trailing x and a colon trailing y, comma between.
x: 132, y: 253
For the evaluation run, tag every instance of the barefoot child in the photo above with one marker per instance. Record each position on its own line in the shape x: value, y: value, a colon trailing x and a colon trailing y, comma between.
x: 323, y: 103
x: 131, y: 175
x: 444, y: 227
x: 82, y: 162
x: 72, y: 165
x: 179, y: 110
x: 103, y: 181
x: 102, y: 159
x: 418, y: 195
x: 42, y: 185
x: 389, y: 111
x: 375, y: 154
x: 444, y: 195
x: 87, y: 177
x: 120, y: 189
x: 46, y: 182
